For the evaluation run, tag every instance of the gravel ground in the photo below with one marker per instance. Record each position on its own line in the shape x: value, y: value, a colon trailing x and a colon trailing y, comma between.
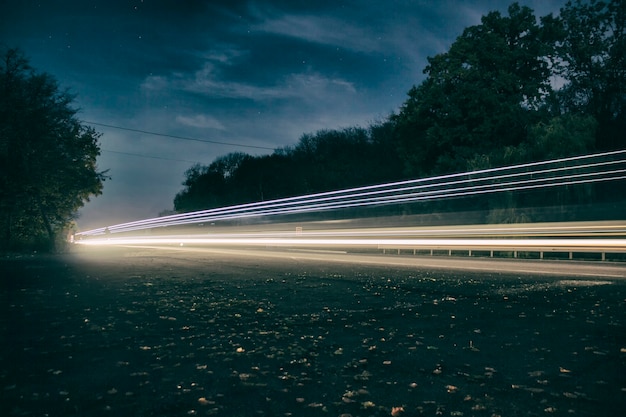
x: 136, y: 332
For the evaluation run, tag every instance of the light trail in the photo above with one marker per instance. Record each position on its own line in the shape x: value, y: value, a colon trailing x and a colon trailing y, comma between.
x: 568, y: 171
x: 591, y: 245
x: 585, y: 245
x: 574, y: 237
x: 338, y: 194
x: 281, y: 206
x: 364, y: 202
x: 558, y: 229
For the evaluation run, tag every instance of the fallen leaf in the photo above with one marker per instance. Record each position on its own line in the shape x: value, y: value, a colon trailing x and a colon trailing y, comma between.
x: 396, y: 411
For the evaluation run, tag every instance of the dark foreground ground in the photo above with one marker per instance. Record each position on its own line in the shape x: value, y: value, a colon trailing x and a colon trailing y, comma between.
x: 131, y: 333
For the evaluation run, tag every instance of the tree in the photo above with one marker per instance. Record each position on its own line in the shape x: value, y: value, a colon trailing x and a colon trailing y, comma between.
x: 561, y: 136
x: 204, y: 189
x: 478, y: 97
x: 592, y: 55
x: 48, y: 159
x: 228, y: 164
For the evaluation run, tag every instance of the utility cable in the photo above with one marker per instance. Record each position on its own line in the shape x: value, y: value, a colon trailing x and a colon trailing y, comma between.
x: 177, y: 137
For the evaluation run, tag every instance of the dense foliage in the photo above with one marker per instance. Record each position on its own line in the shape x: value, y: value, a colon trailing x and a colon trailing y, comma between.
x: 328, y: 160
x: 47, y: 158
x: 512, y: 89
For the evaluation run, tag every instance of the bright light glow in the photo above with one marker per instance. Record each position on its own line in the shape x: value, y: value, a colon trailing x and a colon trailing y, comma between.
x: 608, y: 166
x: 562, y: 245
x: 563, y: 237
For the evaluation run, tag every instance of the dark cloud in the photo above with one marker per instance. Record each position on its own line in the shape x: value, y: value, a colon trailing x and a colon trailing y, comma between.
x: 249, y: 72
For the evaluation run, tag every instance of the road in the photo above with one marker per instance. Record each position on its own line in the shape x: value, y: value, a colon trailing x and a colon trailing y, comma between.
x: 595, y: 269
x: 150, y: 331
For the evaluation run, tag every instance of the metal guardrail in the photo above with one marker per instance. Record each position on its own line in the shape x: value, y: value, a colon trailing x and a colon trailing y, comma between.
x: 514, y: 246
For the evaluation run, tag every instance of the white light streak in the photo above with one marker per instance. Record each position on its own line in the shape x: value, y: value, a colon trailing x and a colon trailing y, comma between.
x: 602, y: 167
x: 564, y: 245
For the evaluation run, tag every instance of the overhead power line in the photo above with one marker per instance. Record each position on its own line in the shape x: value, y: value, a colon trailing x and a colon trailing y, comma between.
x: 177, y: 137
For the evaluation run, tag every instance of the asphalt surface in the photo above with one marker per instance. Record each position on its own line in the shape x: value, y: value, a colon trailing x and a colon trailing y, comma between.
x: 596, y: 269
x: 196, y: 331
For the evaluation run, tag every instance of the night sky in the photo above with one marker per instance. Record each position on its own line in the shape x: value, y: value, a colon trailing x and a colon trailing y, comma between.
x: 248, y: 76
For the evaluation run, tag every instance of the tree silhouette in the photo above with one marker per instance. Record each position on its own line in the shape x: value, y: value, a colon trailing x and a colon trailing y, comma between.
x: 479, y: 96
x: 48, y: 159
x: 592, y: 56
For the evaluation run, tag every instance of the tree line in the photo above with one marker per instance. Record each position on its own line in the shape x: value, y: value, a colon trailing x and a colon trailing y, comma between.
x: 513, y: 89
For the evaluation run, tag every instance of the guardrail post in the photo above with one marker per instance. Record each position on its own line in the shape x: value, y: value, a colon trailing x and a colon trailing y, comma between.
x: 540, y: 255
x: 603, y: 256
x: 571, y: 255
